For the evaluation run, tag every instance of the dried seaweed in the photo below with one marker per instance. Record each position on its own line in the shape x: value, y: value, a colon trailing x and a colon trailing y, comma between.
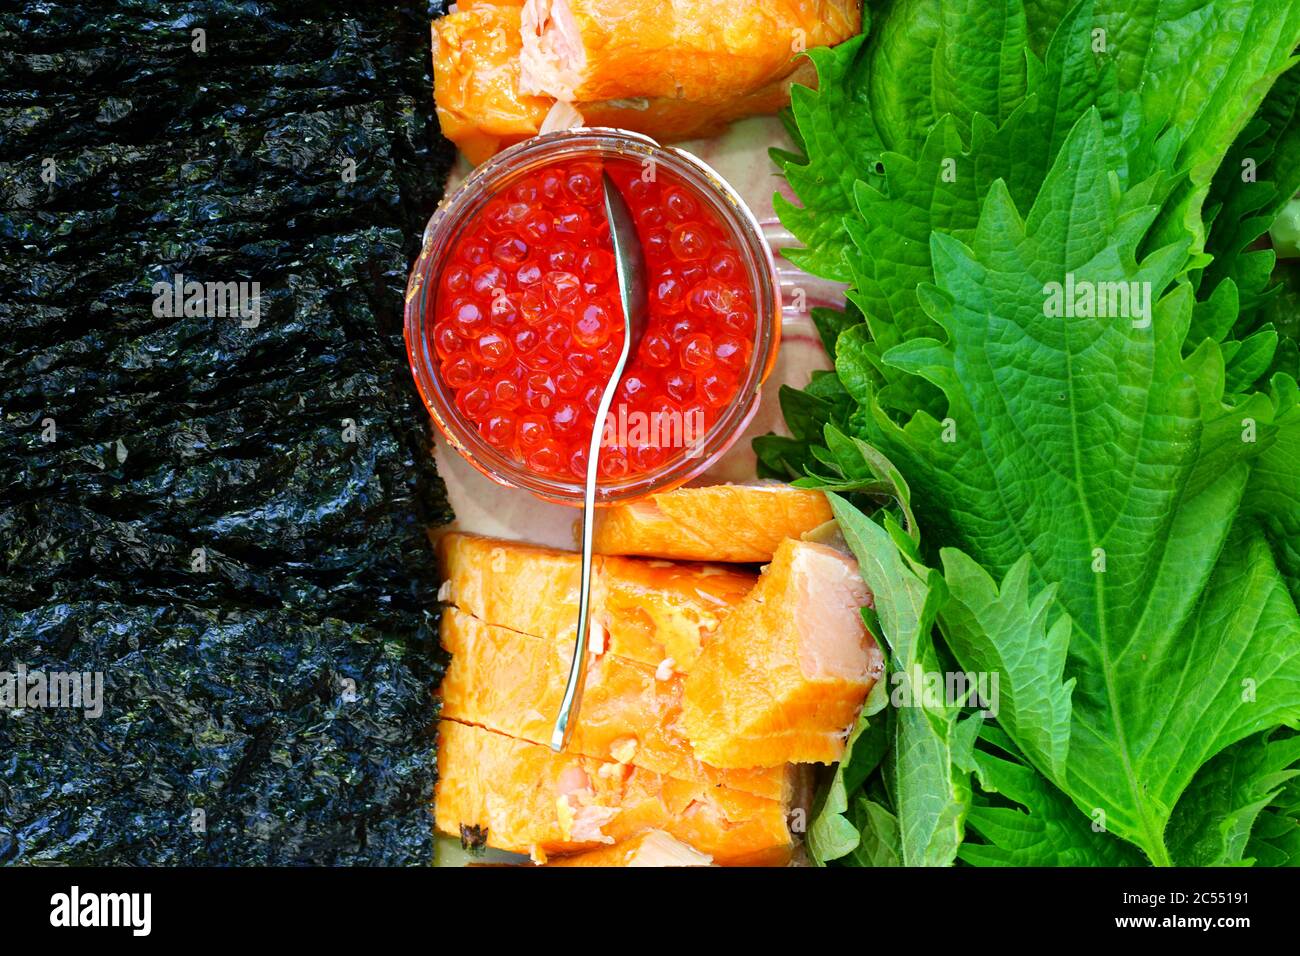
x: 226, y: 521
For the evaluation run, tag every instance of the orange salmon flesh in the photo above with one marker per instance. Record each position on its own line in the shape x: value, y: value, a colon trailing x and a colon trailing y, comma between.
x: 706, y: 52
x: 652, y: 848
x: 739, y: 523
x: 499, y: 66
x: 513, y: 684
x: 645, y: 611
x: 476, y: 80
x: 785, y: 676
x: 525, y: 798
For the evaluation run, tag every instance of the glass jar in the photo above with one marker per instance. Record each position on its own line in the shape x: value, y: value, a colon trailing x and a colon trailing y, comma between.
x: 499, y: 173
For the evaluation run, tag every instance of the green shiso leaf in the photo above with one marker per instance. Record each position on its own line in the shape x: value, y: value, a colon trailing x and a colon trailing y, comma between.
x: 1122, y: 498
x: 880, y: 839
x: 1273, y: 496
x: 840, y: 146
x: 1059, y: 333
x: 1213, y: 821
x: 833, y: 834
x: 1003, y: 631
x: 927, y: 770
x: 1249, y: 192
x: 1022, y: 820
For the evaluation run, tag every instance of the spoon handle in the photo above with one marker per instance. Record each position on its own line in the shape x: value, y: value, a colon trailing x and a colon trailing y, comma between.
x: 622, y: 236
x: 577, y: 669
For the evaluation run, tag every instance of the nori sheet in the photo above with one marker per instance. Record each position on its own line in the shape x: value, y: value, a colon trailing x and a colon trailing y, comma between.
x: 226, y: 689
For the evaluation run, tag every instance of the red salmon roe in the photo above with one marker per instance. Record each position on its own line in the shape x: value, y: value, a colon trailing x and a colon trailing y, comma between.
x: 528, y: 323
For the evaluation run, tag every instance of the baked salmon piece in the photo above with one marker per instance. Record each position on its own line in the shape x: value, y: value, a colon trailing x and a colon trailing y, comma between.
x: 704, y: 51
x: 669, y: 120
x: 647, y: 611
x: 478, y: 62
x: 787, y: 673
x: 652, y: 848
x: 525, y: 798
x: 661, y: 612
x: 740, y: 523
x: 513, y: 684
x: 476, y: 79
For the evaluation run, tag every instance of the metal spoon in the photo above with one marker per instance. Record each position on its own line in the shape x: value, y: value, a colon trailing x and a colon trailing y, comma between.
x: 630, y: 267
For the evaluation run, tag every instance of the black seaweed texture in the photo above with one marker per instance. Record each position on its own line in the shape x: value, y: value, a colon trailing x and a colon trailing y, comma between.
x: 227, y: 689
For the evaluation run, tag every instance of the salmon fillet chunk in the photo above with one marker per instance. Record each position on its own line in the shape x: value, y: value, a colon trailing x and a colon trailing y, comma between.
x: 787, y: 673
x: 706, y: 51
x: 523, y: 797
x: 739, y: 523
x: 513, y: 683
x: 476, y: 80
x: 652, y: 848
x: 646, y: 611
x: 501, y: 65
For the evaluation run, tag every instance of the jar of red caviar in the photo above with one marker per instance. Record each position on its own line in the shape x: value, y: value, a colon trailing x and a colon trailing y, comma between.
x: 514, y: 321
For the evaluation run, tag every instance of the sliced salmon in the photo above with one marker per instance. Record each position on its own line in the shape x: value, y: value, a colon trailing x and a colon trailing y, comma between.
x: 670, y: 119
x: 787, y: 673
x: 483, y: 105
x: 741, y: 523
x: 513, y: 683
x: 647, y: 611
x: 652, y: 848
x: 662, y: 612
x: 523, y: 797
x: 705, y: 51
x: 476, y: 79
